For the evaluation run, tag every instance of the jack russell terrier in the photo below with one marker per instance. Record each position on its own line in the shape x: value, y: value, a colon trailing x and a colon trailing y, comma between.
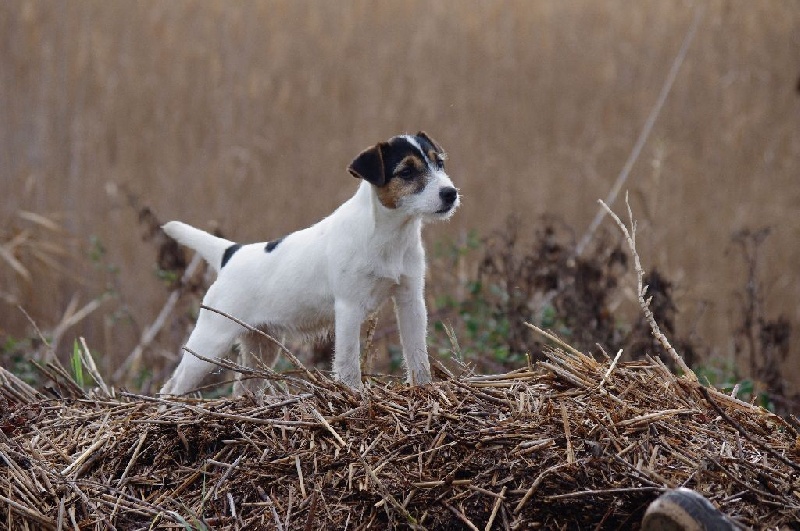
x: 334, y: 274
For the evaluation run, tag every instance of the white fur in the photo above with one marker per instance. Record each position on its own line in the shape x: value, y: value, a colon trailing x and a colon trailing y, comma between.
x: 329, y: 276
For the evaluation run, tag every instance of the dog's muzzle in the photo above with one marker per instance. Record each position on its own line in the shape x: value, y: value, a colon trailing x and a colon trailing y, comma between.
x: 448, y: 195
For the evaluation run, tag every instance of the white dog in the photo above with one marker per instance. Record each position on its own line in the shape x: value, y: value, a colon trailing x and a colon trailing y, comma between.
x: 334, y: 274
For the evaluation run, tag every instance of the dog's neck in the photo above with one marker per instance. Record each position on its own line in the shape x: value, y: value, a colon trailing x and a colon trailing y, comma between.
x: 391, y: 221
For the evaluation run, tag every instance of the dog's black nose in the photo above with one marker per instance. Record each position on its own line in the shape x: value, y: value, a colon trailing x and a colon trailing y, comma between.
x: 448, y: 195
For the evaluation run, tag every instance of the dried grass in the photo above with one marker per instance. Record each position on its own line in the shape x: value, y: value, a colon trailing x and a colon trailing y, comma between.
x: 562, y: 443
x: 569, y: 442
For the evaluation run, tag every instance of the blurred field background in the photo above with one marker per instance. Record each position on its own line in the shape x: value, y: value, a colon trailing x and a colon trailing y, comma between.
x: 243, y: 116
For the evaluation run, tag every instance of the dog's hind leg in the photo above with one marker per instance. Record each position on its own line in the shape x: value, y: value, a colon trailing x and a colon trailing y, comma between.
x: 254, y: 350
x: 212, y: 337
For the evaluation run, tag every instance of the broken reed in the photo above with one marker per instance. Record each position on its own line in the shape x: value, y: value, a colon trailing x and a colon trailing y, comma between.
x: 569, y: 441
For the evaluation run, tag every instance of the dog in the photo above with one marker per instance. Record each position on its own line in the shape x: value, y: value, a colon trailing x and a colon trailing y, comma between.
x: 333, y: 275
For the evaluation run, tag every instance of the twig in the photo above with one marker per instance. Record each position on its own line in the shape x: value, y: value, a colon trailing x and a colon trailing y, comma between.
x: 278, y: 524
x: 496, y: 507
x: 84, y: 455
x: 71, y: 318
x: 300, y: 475
x: 88, y: 362
x: 283, y: 349
x: 200, y: 412
x: 224, y: 476
x: 581, y: 493
x: 640, y: 291
x: 610, y: 369
x: 21, y: 389
x: 745, y: 433
x: 121, y: 480
x: 646, y: 130
x: 150, y: 333
x: 536, y: 483
x: 567, y: 434
x: 35, y: 515
x: 317, y: 415
x: 368, y: 355
x: 387, y: 496
x: 461, y: 516
x: 555, y: 339
x: 649, y: 417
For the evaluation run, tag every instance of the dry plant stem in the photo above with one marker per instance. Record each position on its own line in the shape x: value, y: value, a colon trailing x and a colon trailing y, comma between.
x: 611, y: 368
x: 567, y: 434
x: 150, y: 333
x: 461, y: 516
x: 368, y: 355
x: 50, y: 353
x: 313, y: 411
x: 630, y: 237
x: 581, y: 493
x: 555, y: 339
x: 645, y: 133
x: 20, y: 390
x: 536, y: 483
x: 72, y: 317
x: 435, y: 455
x: 387, y: 496
x: 283, y: 349
x: 745, y: 433
x: 496, y: 507
x: 88, y: 362
x: 42, y: 520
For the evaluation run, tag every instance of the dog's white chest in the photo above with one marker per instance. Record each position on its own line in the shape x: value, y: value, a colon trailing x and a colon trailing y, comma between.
x: 376, y: 279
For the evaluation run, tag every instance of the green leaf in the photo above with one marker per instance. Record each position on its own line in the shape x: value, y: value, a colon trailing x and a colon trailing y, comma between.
x: 77, y: 365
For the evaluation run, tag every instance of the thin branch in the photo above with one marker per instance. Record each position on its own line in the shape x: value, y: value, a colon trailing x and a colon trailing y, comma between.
x: 640, y: 290
x: 150, y: 333
x: 611, y: 368
x: 283, y: 349
x: 745, y: 433
x: 88, y: 362
x: 461, y: 516
x: 582, y: 493
x: 71, y: 318
x: 646, y: 130
x: 555, y: 339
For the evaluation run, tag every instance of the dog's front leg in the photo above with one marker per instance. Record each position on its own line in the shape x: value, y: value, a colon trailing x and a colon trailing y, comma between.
x: 347, y: 348
x: 412, y: 320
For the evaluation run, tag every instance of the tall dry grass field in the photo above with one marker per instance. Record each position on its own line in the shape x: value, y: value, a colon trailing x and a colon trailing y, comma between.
x: 246, y: 114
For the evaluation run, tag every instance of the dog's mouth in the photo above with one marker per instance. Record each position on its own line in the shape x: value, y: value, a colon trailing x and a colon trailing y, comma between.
x: 444, y: 210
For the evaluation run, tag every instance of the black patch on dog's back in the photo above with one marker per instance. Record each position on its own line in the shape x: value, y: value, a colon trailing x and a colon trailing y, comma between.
x: 229, y: 252
x: 271, y: 245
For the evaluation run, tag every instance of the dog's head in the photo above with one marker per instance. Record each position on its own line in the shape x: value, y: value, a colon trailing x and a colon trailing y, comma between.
x: 408, y: 174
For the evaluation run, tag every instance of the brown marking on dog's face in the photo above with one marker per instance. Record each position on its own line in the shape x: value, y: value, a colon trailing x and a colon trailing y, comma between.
x: 432, y: 149
x: 398, y: 168
x: 409, y: 178
x: 436, y: 157
x: 411, y: 164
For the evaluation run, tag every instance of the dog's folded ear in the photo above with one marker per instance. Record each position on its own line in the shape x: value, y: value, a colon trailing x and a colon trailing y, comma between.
x: 434, y: 143
x: 369, y: 165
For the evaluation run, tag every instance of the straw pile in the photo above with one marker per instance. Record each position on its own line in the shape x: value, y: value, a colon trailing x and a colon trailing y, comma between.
x: 567, y: 443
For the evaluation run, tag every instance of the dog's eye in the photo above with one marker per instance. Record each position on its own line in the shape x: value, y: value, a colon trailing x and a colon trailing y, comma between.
x: 439, y: 164
x: 406, y: 173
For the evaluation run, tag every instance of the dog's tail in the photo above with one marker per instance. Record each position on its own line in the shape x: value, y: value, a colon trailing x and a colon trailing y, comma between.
x: 210, y: 247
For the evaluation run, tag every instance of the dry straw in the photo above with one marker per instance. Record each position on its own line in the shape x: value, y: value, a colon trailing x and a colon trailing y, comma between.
x: 570, y: 442
x: 547, y: 445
